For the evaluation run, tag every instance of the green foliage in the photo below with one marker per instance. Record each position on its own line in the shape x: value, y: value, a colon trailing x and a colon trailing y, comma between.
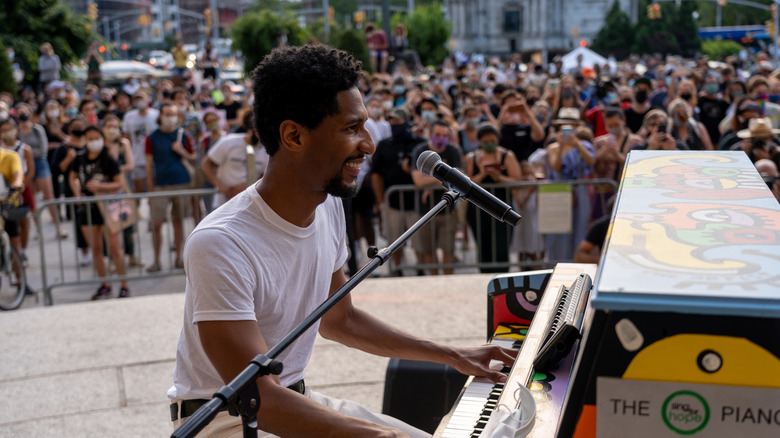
x: 720, y: 49
x: 732, y: 14
x: 428, y: 31
x: 255, y: 34
x: 29, y: 23
x: 685, y: 30
x: 7, y: 82
x: 354, y: 42
x: 617, y: 35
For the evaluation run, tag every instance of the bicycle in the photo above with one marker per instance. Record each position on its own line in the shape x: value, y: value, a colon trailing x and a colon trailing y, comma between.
x: 13, y: 278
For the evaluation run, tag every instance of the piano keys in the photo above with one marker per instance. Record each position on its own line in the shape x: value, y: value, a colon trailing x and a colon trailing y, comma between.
x: 481, y: 397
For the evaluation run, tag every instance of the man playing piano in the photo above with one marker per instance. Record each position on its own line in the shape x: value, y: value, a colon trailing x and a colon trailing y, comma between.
x: 263, y: 261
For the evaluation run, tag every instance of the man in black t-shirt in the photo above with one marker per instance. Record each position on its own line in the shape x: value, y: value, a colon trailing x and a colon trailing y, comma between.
x: 231, y: 107
x: 712, y: 108
x: 391, y: 166
x: 521, y: 133
x: 589, y: 250
x: 439, y: 233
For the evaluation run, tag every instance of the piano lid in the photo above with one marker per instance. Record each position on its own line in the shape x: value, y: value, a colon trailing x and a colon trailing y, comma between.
x: 692, y: 232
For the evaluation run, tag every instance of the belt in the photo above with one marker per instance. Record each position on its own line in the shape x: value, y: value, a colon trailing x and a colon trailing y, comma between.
x: 188, y: 407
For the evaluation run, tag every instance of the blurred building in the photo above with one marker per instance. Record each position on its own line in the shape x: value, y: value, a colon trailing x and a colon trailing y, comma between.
x: 526, y: 26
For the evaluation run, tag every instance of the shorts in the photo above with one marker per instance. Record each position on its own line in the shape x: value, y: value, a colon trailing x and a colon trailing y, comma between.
x: 158, y: 206
x: 438, y: 233
x: 28, y: 198
x: 42, y: 169
x: 395, y: 222
x: 139, y: 172
x: 12, y: 228
x: 89, y: 214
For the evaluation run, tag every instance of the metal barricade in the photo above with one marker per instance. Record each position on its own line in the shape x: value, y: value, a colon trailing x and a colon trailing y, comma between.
x: 60, y: 268
x: 496, y: 246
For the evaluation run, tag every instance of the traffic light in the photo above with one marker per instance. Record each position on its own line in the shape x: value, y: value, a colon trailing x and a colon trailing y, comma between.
x: 143, y: 20
x: 654, y: 11
x: 359, y: 16
x: 207, y: 16
x: 721, y: 3
x: 93, y: 12
x: 331, y: 15
x: 770, y: 28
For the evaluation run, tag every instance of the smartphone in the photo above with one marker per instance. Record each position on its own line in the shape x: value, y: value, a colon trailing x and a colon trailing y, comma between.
x: 494, y: 166
x: 662, y: 129
x: 567, y: 130
x: 553, y: 83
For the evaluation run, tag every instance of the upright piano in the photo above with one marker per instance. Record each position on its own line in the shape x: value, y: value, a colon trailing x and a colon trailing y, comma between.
x: 680, y: 334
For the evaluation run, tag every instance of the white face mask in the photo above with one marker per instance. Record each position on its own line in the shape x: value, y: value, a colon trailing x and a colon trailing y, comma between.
x: 53, y: 114
x: 170, y: 121
x: 387, y: 104
x: 95, y: 146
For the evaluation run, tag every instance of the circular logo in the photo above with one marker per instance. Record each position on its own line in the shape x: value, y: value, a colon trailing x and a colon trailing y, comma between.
x: 685, y: 412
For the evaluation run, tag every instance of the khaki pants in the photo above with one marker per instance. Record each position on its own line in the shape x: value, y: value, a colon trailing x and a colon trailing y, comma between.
x: 225, y: 425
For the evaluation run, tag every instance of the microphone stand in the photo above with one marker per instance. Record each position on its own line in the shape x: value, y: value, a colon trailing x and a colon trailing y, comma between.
x: 241, y: 394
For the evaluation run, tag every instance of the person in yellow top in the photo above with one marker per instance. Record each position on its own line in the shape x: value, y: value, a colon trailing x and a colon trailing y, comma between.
x: 179, y: 61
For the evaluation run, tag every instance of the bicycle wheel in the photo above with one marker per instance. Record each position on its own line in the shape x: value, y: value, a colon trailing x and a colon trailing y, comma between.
x: 12, y: 277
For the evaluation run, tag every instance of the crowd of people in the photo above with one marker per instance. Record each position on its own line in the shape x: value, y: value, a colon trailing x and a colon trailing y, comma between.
x: 498, y: 119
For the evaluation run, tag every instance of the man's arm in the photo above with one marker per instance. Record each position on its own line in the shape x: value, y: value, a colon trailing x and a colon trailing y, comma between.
x: 355, y: 328
x: 231, y: 345
x: 587, y: 253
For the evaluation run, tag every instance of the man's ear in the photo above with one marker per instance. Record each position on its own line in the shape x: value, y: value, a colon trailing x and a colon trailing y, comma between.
x: 290, y: 134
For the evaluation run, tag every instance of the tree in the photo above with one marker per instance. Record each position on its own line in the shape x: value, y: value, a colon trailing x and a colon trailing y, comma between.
x: 354, y: 42
x: 685, y: 30
x: 7, y: 82
x: 617, y: 35
x: 732, y: 14
x: 29, y: 23
x: 255, y: 34
x: 428, y: 31
x: 720, y: 49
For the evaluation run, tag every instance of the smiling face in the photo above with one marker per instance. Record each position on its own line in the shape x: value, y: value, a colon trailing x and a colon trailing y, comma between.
x: 337, y: 147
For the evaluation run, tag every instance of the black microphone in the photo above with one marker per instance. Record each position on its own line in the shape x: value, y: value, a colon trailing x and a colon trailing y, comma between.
x: 429, y: 163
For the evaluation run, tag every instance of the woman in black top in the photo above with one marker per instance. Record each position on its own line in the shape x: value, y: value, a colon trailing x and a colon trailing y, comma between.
x: 491, y: 164
x: 95, y: 173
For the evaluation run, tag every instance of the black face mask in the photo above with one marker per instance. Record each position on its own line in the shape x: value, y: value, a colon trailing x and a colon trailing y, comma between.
x: 77, y: 133
x: 686, y: 96
x: 641, y: 96
x: 401, y: 131
x: 24, y: 117
x: 106, y: 103
x: 531, y: 101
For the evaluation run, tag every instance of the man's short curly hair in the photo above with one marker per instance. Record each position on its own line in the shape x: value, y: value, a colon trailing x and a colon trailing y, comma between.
x: 299, y: 84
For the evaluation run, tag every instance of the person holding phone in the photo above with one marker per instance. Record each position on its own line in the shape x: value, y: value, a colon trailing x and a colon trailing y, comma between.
x: 656, y: 124
x: 518, y: 128
x: 491, y: 164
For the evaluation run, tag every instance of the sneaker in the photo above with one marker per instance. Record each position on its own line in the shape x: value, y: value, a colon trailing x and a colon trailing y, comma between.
x: 179, y: 264
x: 62, y: 235
x: 28, y: 290
x: 102, y: 293
x: 134, y: 261
x: 154, y: 267
x: 84, y: 259
x: 124, y: 292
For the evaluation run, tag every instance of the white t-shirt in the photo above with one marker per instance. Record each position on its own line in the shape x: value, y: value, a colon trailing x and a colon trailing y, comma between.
x: 379, y: 130
x: 229, y: 153
x: 244, y: 262
x: 138, y: 127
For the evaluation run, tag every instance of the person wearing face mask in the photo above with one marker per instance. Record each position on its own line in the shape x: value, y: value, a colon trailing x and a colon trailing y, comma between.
x: 137, y: 125
x: 9, y: 133
x: 758, y: 89
x: 685, y: 128
x: 119, y: 150
x: 467, y: 134
x: 123, y: 104
x: 166, y: 147
x: 491, y: 164
x: 49, y: 66
x: 617, y: 138
x: 391, y: 166
x: 746, y: 109
x: 518, y: 126
x: 712, y: 107
x: 63, y: 157
x: 34, y: 135
x: 95, y: 173
x: 640, y: 105
x: 427, y: 110
x: 440, y: 233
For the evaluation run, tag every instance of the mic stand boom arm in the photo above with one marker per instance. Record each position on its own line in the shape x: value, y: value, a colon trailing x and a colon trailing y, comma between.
x: 241, y: 394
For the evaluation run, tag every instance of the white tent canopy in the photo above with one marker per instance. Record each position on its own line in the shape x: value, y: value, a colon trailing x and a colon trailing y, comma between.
x: 589, y: 59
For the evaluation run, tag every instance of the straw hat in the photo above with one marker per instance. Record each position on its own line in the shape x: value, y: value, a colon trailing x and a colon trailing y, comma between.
x: 568, y: 116
x: 760, y: 127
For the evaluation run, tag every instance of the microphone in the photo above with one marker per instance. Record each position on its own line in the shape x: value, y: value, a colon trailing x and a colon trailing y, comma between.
x: 429, y: 163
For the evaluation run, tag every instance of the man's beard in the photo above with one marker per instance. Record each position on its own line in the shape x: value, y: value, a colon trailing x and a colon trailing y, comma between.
x: 337, y: 187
